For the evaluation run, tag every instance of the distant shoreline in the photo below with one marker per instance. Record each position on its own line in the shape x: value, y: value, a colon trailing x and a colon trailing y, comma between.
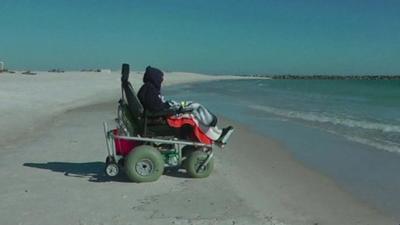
x: 273, y: 77
x: 326, y: 77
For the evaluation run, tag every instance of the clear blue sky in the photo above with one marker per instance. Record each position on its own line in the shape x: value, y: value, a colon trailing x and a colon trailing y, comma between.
x: 209, y: 36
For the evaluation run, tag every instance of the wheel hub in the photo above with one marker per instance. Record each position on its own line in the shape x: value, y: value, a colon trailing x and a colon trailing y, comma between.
x: 144, y: 167
x: 112, y: 170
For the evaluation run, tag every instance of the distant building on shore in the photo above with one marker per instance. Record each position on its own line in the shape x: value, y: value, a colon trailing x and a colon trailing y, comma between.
x: 97, y: 70
x: 1, y: 66
x: 105, y: 70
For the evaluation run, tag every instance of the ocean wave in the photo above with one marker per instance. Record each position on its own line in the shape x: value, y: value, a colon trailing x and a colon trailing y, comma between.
x: 386, y: 147
x: 314, y: 117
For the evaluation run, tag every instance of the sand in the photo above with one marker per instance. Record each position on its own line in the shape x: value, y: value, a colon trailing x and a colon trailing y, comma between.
x: 29, y: 101
x: 51, y: 167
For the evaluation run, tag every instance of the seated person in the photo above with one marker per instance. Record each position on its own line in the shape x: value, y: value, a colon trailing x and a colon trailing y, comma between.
x: 152, y: 100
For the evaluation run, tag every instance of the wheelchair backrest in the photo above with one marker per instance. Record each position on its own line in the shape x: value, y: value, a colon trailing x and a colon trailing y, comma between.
x: 134, y: 105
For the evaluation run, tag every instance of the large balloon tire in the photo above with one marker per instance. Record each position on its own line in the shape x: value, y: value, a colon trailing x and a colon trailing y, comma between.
x: 144, y: 164
x: 194, y: 162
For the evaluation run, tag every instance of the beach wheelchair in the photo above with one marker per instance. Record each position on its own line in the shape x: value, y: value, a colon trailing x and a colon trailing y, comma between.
x: 142, y: 144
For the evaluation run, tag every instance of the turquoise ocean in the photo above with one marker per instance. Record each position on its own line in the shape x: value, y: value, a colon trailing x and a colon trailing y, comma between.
x: 348, y: 130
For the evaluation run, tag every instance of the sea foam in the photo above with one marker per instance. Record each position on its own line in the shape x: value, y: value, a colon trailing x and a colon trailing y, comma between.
x: 345, y: 122
x: 315, y: 117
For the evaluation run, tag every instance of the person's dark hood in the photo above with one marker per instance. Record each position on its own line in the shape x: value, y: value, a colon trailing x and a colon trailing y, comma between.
x: 154, y: 76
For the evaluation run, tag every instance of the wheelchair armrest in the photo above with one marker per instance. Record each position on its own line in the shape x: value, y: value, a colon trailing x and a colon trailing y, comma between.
x: 164, y: 113
x: 168, y: 112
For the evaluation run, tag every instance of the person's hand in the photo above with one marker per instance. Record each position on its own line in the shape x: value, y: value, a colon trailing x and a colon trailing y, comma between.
x: 173, y: 103
x: 186, y: 109
x: 185, y: 104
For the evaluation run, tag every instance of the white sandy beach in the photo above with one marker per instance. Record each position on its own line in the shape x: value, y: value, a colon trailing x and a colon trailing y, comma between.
x: 28, y: 101
x: 53, y: 150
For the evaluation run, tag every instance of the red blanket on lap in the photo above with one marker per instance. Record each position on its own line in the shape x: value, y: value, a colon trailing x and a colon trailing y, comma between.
x: 178, y: 122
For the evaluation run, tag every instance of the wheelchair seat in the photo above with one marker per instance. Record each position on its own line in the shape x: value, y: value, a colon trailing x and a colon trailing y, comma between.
x: 137, y: 119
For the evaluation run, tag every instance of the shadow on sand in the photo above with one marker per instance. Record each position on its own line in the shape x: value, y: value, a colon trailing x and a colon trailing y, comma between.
x: 93, y: 171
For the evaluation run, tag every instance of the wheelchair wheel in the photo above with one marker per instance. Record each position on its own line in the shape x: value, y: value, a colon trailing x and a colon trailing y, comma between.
x: 111, y: 169
x: 194, y: 162
x: 144, y: 164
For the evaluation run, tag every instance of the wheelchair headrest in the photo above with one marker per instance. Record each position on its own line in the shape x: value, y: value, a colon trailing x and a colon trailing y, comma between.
x: 125, y: 72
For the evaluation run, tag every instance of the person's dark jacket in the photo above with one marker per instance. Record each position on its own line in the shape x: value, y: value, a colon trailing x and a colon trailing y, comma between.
x: 150, y: 93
